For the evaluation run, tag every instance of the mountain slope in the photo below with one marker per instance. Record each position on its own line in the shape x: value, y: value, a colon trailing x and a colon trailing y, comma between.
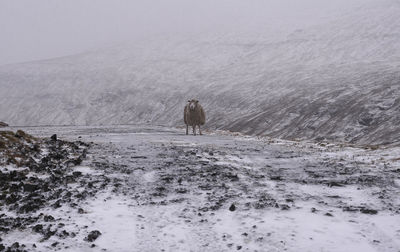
x: 337, y: 80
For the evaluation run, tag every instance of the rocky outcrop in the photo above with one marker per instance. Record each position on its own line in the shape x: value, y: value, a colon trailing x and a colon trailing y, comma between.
x: 34, y: 174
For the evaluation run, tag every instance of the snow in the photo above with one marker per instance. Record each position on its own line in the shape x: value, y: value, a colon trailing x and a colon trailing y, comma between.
x: 335, y: 79
x: 116, y: 218
x: 152, y: 210
x: 85, y: 170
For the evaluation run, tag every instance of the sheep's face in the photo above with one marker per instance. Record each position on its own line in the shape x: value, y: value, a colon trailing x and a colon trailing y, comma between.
x: 193, y: 104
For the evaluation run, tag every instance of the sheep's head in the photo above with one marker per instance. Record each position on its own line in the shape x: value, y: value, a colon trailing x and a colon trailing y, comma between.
x: 193, y: 104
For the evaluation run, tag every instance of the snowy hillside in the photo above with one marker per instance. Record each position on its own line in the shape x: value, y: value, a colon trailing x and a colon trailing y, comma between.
x: 338, y: 80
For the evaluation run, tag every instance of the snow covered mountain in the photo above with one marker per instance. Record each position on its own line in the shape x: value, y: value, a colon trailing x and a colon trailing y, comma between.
x: 338, y: 80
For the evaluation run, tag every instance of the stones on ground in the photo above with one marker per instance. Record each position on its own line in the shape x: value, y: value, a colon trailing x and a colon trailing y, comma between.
x: 334, y: 184
x: 48, y: 218
x: 22, y: 191
x: 232, y: 207
x: 363, y: 210
x: 76, y: 174
x: 368, y: 211
x: 284, y: 207
x: 54, y: 137
x: 92, y: 236
x: 277, y: 178
x: 38, y: 228
x: 30, y: 187
x: 181, y: 190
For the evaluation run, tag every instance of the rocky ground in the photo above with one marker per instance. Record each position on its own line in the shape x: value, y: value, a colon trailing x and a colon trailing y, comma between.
x: 130, y: 188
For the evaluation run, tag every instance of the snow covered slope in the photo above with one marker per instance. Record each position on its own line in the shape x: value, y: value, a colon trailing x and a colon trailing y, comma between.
x: 337, y: 79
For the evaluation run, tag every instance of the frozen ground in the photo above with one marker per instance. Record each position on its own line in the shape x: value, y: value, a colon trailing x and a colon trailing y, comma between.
x: 221, y: 192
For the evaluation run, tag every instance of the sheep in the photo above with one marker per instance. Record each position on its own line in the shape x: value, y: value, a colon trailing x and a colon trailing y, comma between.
x: 194, y: 115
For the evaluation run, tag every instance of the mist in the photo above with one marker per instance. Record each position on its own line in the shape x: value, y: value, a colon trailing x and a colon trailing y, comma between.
x: 290, y: 140
x: 33, y: 30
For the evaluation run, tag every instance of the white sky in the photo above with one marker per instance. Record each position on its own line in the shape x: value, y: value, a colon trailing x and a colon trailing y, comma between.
x: 37, y: 29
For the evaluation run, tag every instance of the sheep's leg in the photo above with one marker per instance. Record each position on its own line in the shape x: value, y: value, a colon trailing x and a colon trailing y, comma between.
x: 194, y: 129
x: 187, y: 129
x: 200, y: 130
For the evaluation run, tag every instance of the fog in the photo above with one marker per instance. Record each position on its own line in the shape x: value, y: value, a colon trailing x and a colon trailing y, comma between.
x: 32, y: 30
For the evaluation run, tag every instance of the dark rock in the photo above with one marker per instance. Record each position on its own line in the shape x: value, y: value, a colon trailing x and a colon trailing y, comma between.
x: 284, y: 207
x: 76, y: 174
x: 365, y: 120
x: 277, y: 178
x: 239, y: 247
x: 63, y: 234
x: 77, y: 161
x: 54, y: 137
x: 30, y: 206
x: 181, y: 190
x: 329, y: 214
x: 350, y: 209
x: 92, y: 236
x: 334, y: 183
x: 11, y: 199
x: 54, y: 244
x: 20, y: 134
x: 232, y: 208
x: 3, y: 124
x: 15, y: 245
x: 57, y: 204
x: 232, y: 177
x: 368, y: 211
x: 38, y: 228
x: 204, y: 209
x: 48, y: 233
x: 29, y: 187
x: 48, y: 218
x: 2, y: 248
